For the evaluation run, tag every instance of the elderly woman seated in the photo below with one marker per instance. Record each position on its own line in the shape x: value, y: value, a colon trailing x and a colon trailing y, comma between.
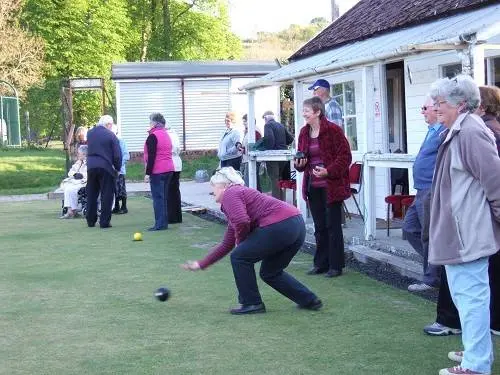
x: 77, y: 178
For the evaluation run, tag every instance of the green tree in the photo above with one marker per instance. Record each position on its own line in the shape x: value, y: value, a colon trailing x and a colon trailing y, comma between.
x: 82, y: 39
x: 21, y: 54
x: 182, y: 30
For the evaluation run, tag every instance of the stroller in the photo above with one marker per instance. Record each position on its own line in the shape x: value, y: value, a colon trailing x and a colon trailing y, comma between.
x: 82, y: 202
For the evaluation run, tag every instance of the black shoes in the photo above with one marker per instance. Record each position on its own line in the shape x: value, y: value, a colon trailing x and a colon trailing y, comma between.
x: 115, y: 210
x: 333, y: 273
x: 314, y: 305
x: 123, y: 211
x: 316, y: 271
x: 106, y: 226
x: 248, y: 309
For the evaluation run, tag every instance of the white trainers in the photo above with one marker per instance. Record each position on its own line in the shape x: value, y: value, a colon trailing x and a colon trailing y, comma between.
x: 419, y: 287
x: 495, y: 332
x: 456, y: 356
x: 436, y: 329
x: 459, y: 370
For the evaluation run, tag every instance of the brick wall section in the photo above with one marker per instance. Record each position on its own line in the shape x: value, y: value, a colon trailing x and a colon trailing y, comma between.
x: 369, y: 18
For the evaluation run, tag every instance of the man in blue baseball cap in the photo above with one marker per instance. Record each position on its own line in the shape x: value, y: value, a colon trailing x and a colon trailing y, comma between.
x: 333, y: 112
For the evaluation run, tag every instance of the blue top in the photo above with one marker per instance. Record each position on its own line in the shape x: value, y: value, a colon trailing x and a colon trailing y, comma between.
x: 333, y: 112
x: 125, y: 156
x: 103, y: 150
x: 423, y: 168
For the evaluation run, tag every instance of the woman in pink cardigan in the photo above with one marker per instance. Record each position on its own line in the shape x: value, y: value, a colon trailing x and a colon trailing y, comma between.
x: 260, y: 228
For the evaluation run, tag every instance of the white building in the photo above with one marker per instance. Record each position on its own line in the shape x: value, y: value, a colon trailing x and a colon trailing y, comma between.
x: 381, y: 58
x: 194, y: 97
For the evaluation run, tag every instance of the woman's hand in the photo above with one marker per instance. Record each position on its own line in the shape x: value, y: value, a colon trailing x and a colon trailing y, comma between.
x: 191, y: 265
x: 146, y: 179
x: 320, y: 172
x: 300, y: 163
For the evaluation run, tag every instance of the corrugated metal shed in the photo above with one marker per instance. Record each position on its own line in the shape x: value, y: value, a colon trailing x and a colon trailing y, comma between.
x: 485, y: 22
x: 207, y: 102
x: 186, y: 69
x: 137, y: 102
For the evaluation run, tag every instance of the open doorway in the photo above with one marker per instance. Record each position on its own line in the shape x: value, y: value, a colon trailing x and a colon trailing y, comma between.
x: 396, y: 114
x: 396, y: 127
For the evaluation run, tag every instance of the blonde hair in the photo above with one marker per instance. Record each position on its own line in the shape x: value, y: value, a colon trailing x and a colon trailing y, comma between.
x: 227, y: 176
x: 81, y: 131
x: 232, y: 116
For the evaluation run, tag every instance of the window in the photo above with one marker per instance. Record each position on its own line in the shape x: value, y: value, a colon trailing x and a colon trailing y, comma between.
x: 493, y: 71
x: 450, y: 71
x: 344, y: 93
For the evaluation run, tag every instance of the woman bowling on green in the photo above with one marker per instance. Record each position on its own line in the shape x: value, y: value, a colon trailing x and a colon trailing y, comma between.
x: 260, y: 228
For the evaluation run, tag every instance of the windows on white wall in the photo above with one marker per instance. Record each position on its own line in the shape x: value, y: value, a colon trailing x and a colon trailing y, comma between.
x: 450, y: 71
x: 345, y: 94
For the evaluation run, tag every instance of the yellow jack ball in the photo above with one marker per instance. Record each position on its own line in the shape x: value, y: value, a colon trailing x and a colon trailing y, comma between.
x: 137, y: 236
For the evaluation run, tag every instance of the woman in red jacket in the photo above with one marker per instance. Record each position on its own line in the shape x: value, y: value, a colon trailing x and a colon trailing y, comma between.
x: 325, y: 184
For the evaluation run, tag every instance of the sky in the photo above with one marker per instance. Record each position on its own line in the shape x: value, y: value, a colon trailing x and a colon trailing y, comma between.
x: 250, y: 16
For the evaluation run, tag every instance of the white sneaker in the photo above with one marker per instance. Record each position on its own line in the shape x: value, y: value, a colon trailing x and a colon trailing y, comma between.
x: 419, y: 287
x: 436, y: 329
x: 456, y: 356
x: 495, y: 332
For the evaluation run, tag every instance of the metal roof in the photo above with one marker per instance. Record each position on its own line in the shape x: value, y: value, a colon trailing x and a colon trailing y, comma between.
x: 185, y: 69
x: 484, y: 22
x: 370, y: 18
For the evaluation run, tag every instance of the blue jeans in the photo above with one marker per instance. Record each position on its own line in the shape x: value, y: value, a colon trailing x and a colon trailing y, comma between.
x: 413, y: 223
x: 159, y: 191
x: 470, y: 291
x: 275, y: 245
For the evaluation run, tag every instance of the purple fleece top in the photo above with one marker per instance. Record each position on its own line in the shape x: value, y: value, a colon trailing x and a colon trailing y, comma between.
x: 246, y: 209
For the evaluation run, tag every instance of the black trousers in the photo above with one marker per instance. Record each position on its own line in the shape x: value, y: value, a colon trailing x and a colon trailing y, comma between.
x: 174, y: 200
x: 99, y: 180
x: 327, y: 231
x: 235, y: 163
x: 447, y: 313
x: 275, y: 245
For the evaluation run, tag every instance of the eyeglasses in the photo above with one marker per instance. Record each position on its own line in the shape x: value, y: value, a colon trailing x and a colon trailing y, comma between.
x: 438, y: 103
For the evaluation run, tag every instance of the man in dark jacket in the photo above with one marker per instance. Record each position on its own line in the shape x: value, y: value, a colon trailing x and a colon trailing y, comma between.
x: 104, y: 161
x: 276, y: 137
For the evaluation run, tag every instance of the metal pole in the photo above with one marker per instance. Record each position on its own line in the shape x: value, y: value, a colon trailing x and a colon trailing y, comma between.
x: 183, y: 115
x: 27, y: 123
x: 103, y: 96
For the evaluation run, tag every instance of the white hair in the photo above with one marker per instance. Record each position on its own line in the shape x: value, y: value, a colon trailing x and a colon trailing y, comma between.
x: 227, y: 176
x: 459, y: 90
x: 105, y: 120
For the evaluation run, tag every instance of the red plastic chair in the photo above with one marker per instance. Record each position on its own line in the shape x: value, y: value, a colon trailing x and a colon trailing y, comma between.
x: 288, y: 184
x: 405, y: 203
x: 356, y: 178
x: 396, y: 201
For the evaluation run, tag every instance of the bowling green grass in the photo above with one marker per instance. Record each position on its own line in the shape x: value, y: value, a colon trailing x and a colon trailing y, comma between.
x: 78, y: 300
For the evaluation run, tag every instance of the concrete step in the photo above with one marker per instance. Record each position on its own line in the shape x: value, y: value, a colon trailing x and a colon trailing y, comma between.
x: 359, y: 256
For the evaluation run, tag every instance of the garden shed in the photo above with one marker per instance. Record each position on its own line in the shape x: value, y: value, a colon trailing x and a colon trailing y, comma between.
x: 193, y: 96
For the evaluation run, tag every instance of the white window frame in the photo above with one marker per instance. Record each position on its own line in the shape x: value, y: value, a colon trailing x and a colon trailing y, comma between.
x: 443, y: 67
x: 345, y: 116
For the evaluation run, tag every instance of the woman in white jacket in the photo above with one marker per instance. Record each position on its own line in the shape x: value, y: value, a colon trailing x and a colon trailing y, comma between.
x: 174, y: 192
x: 77, y: 178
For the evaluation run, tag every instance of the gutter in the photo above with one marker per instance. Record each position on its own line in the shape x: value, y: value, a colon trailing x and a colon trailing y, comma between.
x: 456, y: 43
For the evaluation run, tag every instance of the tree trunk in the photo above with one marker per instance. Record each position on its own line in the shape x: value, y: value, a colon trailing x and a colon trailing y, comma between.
x: 167, y: 30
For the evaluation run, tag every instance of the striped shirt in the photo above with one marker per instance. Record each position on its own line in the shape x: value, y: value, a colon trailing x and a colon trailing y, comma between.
x: 333, y: 112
